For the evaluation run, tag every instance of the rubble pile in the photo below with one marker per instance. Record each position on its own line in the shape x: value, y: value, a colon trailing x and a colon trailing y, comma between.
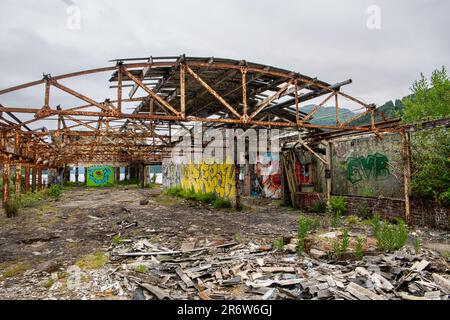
x: 229, y: 270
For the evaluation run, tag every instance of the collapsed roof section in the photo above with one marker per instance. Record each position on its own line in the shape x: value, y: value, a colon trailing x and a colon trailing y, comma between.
x: 166, y: 93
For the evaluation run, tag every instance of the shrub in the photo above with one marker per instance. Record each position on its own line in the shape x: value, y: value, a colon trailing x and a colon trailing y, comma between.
x: 12, y: 208
x: 335, y: 209
x: 55, y: 191
x: 359, y: 247
x: 305, y: 225
x: 341, y: 246
x: 390, y: 237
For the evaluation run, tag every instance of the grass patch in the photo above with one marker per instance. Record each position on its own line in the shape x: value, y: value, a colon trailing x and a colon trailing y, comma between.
x: 74, y: 184
x: 190, y: 194
x: 92, y: 261
x: 127, y: 182
x: 221, y: 203
x: 14, y: 269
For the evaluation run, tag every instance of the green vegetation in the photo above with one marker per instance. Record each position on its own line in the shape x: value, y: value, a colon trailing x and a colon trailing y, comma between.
x: 278, y: 243
x: 318, y: 207
x: 336, y: 208
x: 141, y: 268
x: 190, y: 194
x: 16, y: 268
x: 340, y: 247
x: 430, y: 100
x: 74, y: 184
x: 117, y: 239
x: 390, y: 237
x: 12, y: 208
x: 49, y: 283
x: 127, y: 182
x: 220, y: 203
x: 430, y: 149
x: 417, y: 243
x: 305, y: 225
x: 92, y: 261
x: 54, y: 191
x: 30, y: 198
x: 351, y: 219
x: 359, y: 247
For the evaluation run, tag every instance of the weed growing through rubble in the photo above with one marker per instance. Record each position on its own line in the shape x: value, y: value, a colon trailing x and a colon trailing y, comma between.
x: 117, y: 239
x: 141, y: 268
x: 305, y: 225
x: 417, y: 244
x: 340, y: 247
x: 335, y: 209
x: 359, y: 247
x: 390, y: 237
x: 278, y: 243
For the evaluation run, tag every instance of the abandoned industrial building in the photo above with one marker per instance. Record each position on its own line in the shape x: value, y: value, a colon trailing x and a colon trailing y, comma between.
x: 208, y: 178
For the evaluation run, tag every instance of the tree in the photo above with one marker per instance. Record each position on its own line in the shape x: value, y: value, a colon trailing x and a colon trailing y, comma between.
x: 430, y: 149
x: 428, y: 101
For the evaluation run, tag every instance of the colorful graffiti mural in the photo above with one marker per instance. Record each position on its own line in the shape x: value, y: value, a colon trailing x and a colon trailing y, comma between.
x: 204, y: 177
x: 374, y: 166
x: 100, y: 176
x: 267, y: 180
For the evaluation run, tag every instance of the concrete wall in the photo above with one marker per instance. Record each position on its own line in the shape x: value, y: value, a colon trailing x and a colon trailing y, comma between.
x: 100, y: 176
x: 368, y: 166
x: 204, y: 177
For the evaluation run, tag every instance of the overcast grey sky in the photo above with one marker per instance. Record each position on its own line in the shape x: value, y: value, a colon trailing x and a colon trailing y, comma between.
x: 327, y: 39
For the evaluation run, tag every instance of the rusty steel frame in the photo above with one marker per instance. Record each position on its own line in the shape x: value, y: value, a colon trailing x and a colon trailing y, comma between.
x: 217, y: 91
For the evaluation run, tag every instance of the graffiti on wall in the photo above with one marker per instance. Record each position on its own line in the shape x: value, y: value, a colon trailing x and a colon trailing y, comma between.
x: 372, y: 167
x: 267, y: 180
x: 171, y: 174
x: 204, y: 177
x: 100, y: 176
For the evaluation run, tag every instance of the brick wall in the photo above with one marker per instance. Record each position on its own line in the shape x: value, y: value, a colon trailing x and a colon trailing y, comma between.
x: 422, y: 214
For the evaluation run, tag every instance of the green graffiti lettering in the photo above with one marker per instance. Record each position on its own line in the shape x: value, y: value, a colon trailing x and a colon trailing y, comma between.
x: 374, y: 166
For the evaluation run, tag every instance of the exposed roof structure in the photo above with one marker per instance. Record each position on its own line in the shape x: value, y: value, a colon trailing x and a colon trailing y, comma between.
x: 165, y: 93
